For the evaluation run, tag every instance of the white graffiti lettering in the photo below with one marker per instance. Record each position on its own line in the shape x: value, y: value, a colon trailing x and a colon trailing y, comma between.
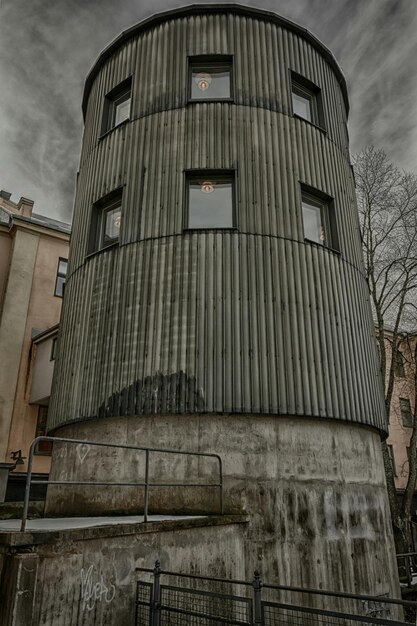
x: 92, y: 592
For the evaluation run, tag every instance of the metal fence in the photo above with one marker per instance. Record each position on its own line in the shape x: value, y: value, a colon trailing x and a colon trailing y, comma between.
x: 146, y: 484
x: 176, y: 599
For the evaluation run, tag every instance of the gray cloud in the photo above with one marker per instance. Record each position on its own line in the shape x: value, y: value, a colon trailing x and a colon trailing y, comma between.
x: 47, y: 48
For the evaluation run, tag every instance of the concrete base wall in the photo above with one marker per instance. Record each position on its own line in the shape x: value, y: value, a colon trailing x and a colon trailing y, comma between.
x: 314, y: 491
x: 87, y: 577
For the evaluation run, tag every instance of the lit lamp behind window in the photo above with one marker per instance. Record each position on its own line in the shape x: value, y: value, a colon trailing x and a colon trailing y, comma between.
x: 207, y: 186
x: 203, y: 80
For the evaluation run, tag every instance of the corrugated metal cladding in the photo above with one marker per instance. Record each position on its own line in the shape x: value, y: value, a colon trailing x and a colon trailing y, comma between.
x: 254, y: 320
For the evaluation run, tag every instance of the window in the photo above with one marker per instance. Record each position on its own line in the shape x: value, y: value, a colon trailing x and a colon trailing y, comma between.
x: 53, y: 348
x: 117, y: 106
x: 43, y: 447
x: 60, y: 277
x: 210, y: 78
x: 306, y: 100
x: 210, y: 200
x: 106, y: 219
x: 405, y: 409
x: 399, y: 364
x: 319, y: 221
x: 391, y: 454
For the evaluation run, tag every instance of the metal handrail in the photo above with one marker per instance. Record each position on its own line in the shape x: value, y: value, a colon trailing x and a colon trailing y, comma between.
x: 146, y: 484
x: 305, y: 590
x: 367, y: 609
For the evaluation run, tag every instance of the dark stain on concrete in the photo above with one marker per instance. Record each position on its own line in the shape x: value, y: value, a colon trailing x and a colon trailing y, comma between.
x: 162, y: 393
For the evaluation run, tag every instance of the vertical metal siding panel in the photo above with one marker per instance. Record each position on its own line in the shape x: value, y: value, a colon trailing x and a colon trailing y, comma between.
x: 227, y: 315
x: 218, y: 361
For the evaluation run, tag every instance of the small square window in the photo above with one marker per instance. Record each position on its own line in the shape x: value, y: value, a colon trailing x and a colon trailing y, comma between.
x: 117, y: 106
x: 106, y: 220
x: 210, y: 78
x: 43, y: 447
x: 306, y: 100
x: 60, y: 277
x: 319, y: 221
x: 210, y: 200
x: 406, y: 415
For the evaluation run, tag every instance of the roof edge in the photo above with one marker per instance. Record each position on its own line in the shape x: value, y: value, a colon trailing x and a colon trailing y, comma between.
x: 196, y: 9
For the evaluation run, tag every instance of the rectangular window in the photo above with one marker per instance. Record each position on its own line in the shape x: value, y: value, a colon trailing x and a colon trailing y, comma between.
x: 210, y: 200
x: 53, y: 349
x: 399, y: 365
x: 43, y: 447
x: 106, y: 219
x: 306, y: 100
x: 406, y: 415
x: 117, y: 106
x: 210, y: 78
x: 60, y: 277
x: 319, y: 220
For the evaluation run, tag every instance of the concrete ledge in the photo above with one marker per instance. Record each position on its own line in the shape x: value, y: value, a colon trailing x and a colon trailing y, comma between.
x: 114, y: 528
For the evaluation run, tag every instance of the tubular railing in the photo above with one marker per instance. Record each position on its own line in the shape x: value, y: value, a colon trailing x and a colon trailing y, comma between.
x: 146, y: 484
x: 204, y: 600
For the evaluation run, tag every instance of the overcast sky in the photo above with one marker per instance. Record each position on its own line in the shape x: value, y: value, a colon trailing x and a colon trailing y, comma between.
x: 48, y: 46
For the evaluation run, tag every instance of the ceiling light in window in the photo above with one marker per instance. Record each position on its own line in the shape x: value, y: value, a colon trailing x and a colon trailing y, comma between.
x: 207, y: 187
x: 117, y: 220
x: 203, y: 80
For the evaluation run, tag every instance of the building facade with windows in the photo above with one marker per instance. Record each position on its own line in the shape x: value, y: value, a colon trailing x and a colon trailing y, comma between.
x: 215, y: 297
x: 33, y: 260
x: 403, y: 406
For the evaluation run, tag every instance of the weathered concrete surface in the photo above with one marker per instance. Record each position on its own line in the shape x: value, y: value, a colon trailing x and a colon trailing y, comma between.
x: 86, y: 577
x: 314, y: 491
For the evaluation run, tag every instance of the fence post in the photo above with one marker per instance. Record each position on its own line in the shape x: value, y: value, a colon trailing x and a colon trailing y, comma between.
x: 156, y: 599
x: 257, y: 587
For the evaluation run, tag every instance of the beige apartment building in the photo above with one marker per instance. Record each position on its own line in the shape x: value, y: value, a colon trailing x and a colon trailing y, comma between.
x: 403, y: 405
x: 33, y: 262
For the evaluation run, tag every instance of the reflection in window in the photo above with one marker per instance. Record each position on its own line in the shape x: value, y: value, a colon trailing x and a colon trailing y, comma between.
x: 306, y: 100
x: 210, y: 79
x: 210, y: 201
x: 106, y: 221
x: 117, y: 106
x: 319, y: 220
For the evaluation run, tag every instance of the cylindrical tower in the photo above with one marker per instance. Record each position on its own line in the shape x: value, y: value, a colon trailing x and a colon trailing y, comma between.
x: 215, y: 297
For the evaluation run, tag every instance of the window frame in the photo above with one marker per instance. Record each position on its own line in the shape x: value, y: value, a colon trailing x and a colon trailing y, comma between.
x: 40, y: 432
x: 406, y: 412
x: 60, y: 275
x: 110, y: 106
x: 319, y: 199
x: 99, y: 209
x: 302, y: 86
x: 53, y: 349
x: 399, y: 366
x: 205, y: 61
x: 217, y: 175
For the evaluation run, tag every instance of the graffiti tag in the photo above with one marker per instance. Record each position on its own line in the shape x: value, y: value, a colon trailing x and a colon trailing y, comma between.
x: 92, y: 592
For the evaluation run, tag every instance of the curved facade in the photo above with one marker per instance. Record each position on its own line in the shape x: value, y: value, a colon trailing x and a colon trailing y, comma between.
x: 250, y: 320
x: 250, y: 337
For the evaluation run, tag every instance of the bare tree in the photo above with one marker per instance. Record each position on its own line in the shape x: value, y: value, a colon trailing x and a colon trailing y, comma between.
x: 387, y: 203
